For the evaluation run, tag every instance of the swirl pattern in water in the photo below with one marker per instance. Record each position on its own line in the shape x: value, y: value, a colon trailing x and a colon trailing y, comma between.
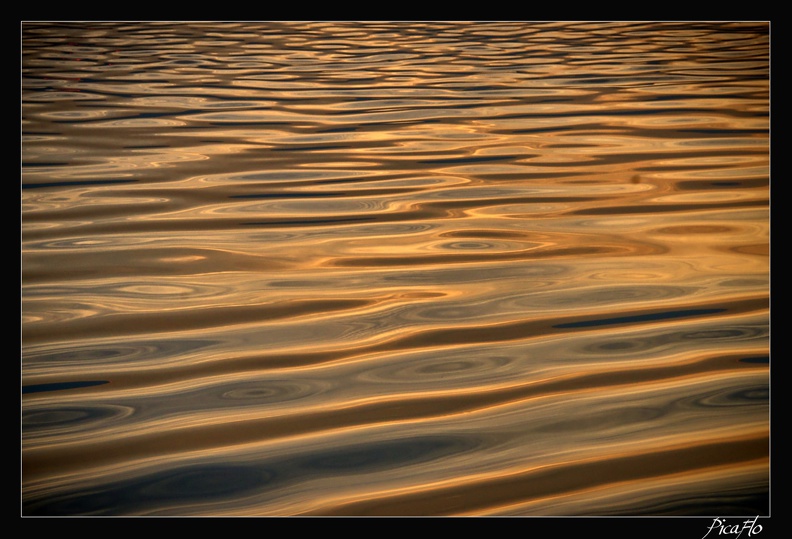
x: 392, y: 268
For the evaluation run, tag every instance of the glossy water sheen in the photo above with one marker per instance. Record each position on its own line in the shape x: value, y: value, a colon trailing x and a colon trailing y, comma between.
x: 343, y: 268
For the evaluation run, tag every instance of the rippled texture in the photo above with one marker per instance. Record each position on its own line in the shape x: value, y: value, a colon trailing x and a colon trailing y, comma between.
x: 364, y: 268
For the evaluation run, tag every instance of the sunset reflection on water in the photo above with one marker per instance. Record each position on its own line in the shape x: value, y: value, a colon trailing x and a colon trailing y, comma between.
x: 389, y: 268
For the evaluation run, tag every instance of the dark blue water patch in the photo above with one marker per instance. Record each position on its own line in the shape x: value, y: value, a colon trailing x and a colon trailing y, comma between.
x: 639, y: 318
x: 60, y: 386
x: 758, y: 359
x: 208, y: 482
x: 74, y: 183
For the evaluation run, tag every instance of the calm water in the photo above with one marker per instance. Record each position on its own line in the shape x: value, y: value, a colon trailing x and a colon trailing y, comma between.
x: 327, y: 268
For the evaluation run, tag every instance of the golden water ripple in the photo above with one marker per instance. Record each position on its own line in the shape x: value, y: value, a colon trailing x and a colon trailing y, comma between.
x: 383, y: 268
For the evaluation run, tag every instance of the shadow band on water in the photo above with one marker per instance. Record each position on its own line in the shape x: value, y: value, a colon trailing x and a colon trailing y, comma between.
x: 216, y: 481
x: 39, y: 388
x: 639, y: 318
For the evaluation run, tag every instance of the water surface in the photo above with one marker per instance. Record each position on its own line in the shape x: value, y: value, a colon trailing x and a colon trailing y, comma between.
x: 424, y: 268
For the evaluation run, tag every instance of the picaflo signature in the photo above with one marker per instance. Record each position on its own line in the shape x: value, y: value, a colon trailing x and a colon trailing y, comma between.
x: 735, y: 529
